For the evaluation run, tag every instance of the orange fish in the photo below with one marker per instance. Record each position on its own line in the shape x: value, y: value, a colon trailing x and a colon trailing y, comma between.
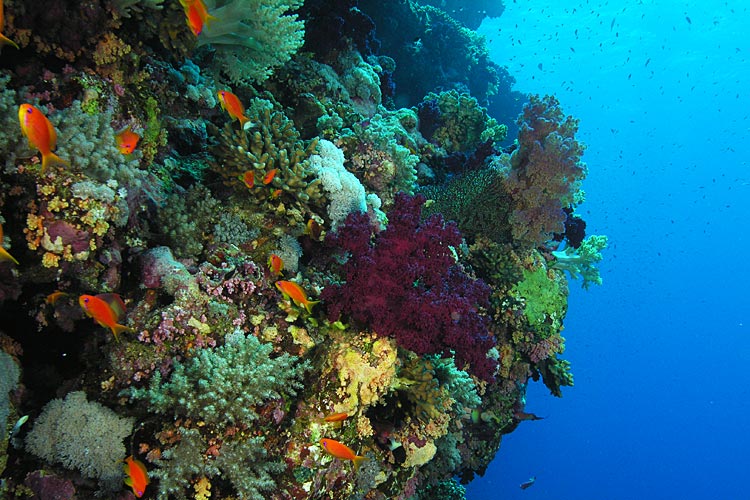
x: 197, y: 15
x: 232, y: 105
x: 3, y: 39
x: 54, y: 297
x: 295, y: 292
x: 276, y: 264
x: 249, y: 179
x: 341, y: 451
x: 4, y: 255
x: 107, y: 309
x: 137, y: 476
x: 276, y: 194
x: 40, y: 133
x: 336, y: 417
x: 270, y: 175
x: 127, y: 140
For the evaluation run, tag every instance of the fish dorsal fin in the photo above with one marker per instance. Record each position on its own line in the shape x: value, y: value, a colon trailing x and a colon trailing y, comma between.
x: 115, y: 303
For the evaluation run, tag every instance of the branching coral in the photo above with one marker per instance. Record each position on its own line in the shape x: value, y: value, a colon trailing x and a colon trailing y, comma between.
x: 546, y: 171
x: 462, y: 124
x: 252, y: 37
x: 224, y: 385
x: 582, y: 260
x: 407, y: 284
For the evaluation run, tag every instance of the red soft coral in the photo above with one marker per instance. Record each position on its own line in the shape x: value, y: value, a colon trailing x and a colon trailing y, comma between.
x: 405, y: 283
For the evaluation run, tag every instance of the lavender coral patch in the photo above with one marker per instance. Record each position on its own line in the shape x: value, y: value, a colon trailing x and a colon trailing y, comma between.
x: 405, y: 283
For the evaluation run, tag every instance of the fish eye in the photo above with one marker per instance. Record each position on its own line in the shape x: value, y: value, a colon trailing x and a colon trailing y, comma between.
x: 29, y: 110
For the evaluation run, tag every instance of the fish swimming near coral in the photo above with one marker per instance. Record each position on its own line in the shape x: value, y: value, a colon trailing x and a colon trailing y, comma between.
x: 295, y: 292
x: 40, y: 133
x: 275, y: 264
x: 4, y: 40
x: 340, y: 450
x: 336, y: 417
x: 232, y: 105
x: 127, y: 140
x: 137, y: 476
x: 107, y: 309
x: 52, y: 298
x: 4, y: 255
x: 197, y: 15
x: 268, y: 178
x: 248, y: 179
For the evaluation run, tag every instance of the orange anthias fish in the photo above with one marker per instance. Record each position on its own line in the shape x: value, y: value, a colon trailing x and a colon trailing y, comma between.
x: 295, y: 292
x: 341, y: 451
x: 127, y: 140
x: 40, y: 133
x: 137, y: 476
x: 276, y: 264
x: 4, y: 255
x: 107, y: 309
x: 3, y: 39
x: 269, y: 176
x: 52, y: 298
x: 249, y: 179
x: 232, y: 105
x: 336, y: 417
x: 197, y: 15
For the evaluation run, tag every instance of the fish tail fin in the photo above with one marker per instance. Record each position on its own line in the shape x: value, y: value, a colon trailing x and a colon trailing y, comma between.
x: 4, y: 255
x: 52, y: 159
x: 245, y: 122
x: 118, y: 329
x: 358, y: 460
x: 309, y: 305
x: 4, y: 40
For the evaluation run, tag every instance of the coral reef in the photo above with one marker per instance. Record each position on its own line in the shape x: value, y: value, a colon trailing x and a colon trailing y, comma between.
x: 432, y: 313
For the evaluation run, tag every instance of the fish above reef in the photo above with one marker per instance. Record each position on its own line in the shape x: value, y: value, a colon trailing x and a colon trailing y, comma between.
x: 4, y: 40
x: 340, y: 450
x: 4, y: 255
x: 526, y: 484
x: 269, y: 176
x: 107, y: 309
x: 232, y: 105
x: 137, y: 476
x: 295, y: 292
x: 40, y: 133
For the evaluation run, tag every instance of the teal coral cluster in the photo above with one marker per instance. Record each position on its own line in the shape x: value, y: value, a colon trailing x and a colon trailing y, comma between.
x: 255, y: 316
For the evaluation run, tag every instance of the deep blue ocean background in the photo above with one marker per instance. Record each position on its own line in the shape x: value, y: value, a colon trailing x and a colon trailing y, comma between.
x: 660, y: 352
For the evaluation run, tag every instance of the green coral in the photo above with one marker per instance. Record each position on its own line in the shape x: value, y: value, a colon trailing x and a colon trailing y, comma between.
x: 244, y: 463
x: 555, y: 374
x: 464, y: 124
x: 545, y: 298
x: 224, y: 385
x: 272, y: 143
x: 186, y: 218
x: 252, y: 37
x: 582, y: 260
x: 444, y: 490
x: 476, y: 201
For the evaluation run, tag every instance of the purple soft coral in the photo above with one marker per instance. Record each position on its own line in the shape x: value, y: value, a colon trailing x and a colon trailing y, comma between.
x: 405, y: 284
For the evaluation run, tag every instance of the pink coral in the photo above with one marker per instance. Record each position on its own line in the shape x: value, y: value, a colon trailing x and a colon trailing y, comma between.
x: 546, y: 171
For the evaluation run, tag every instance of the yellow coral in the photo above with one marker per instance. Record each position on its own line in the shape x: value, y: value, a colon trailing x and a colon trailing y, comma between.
x: 50, y: 260
x: 365, y: 376
x: 202, y: 488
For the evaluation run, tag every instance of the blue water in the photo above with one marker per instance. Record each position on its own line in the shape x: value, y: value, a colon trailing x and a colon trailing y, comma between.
x: 660, y: 352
